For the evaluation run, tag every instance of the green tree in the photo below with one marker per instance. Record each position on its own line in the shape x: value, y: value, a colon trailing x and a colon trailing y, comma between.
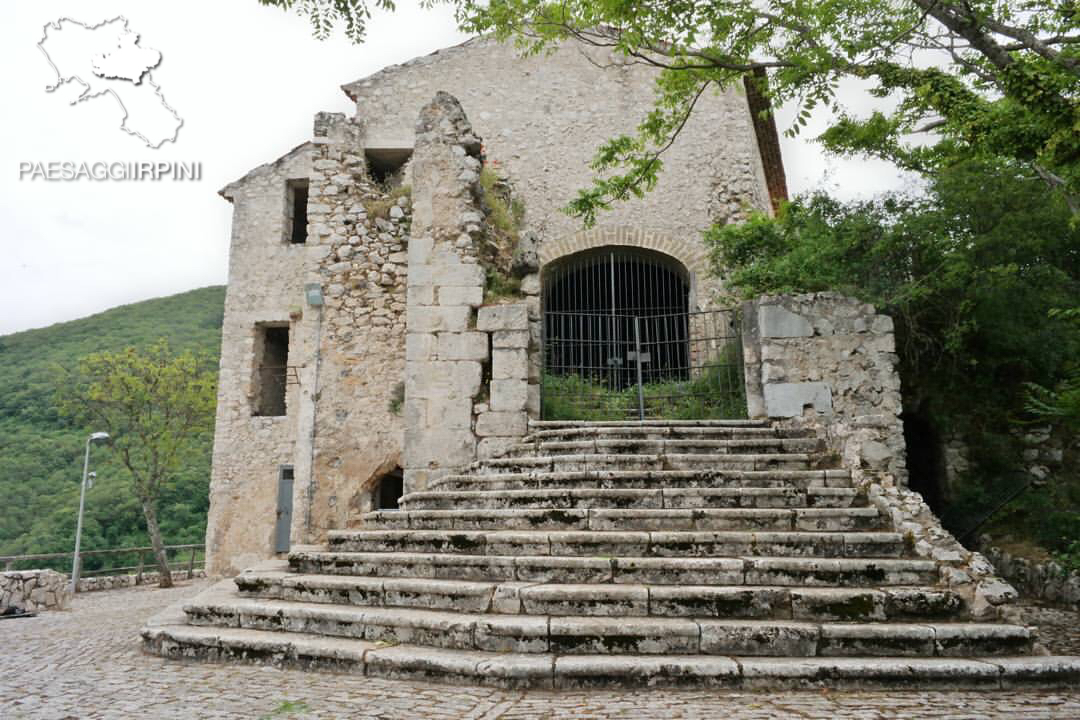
x: 989, y: 78
x: 155, y: 405
x: 1060, y: 404
x: 970, y: 273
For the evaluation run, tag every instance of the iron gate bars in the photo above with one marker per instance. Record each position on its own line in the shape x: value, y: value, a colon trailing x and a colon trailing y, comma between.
x: 610, y: 366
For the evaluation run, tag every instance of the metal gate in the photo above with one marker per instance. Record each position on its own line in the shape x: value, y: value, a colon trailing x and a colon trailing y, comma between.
x: 611, y: 366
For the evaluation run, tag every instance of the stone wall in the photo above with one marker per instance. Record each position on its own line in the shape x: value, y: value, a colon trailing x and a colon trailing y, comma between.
x: 543, y: 117
x: 450, y: 358
x: 1047, y: 580
x: 356, y: 432
x: 827, y: 362
x: 118, y: 582
x: 266, y: 278
x: 340, y: 432
x: 34, y: 590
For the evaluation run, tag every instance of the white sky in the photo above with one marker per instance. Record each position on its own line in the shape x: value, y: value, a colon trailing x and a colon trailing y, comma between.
x: 246, y: 80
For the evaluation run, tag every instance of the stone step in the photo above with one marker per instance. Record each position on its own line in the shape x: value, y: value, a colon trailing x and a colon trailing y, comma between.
x: 644, y: 461
x: 663, y: 432
x: 577, y: 635
x: 654, y: 519
x: 586, y: 543
x: 663, y: 446
x: 607, y: 599
x: 577, y: 424
x: 305, y: 651
x: 633, y: 499
x: 788, y: 572
x: 645, y: 480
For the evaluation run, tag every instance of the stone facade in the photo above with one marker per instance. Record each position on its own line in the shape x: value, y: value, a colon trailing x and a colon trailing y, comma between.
x: 380, y: 302
x: 828, y: 363
x: 34, y: 591
x: 542, y: 119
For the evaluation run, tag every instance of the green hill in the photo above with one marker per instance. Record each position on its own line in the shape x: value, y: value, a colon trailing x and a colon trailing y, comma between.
x: 41, y: 454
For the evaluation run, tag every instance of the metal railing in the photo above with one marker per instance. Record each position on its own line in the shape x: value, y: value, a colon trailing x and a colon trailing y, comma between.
x: 140, y: 560
x: 608, y: 366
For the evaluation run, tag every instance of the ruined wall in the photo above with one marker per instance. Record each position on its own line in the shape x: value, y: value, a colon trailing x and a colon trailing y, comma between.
x: 341, y: 430
x: 449, y: 351
x: 542, y: 119
x: 266, y: 275
x: 358, y: 427
x: 828, y: 363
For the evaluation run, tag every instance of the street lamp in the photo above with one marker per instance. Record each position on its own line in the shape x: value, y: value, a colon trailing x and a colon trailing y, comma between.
x: 75, y: 564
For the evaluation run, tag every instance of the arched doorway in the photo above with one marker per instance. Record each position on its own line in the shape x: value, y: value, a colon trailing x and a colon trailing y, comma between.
x: 620, y: 341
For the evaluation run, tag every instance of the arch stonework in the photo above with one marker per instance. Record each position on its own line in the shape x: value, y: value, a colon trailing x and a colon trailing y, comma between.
x: 693, y: 255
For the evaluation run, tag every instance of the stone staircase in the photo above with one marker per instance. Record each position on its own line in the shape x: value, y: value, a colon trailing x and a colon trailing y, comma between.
x: 699, y: 553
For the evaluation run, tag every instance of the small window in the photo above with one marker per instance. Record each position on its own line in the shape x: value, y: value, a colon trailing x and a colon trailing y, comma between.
x: 271, y: 369
x: 296, y: 192
x: 388, y: 490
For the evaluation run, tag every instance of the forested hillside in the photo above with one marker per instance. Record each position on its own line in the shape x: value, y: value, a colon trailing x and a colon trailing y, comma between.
x: 41, y: 454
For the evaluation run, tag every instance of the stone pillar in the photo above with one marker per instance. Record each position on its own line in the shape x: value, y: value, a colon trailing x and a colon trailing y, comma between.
x: 502, y: 420
x: 445, y: 352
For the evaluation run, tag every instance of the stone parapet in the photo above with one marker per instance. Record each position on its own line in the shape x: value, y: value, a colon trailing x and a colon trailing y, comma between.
x: 34, y: 591
x: 827, y: 363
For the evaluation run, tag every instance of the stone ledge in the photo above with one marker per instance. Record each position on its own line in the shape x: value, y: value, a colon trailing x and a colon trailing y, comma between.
x: 517, y: 670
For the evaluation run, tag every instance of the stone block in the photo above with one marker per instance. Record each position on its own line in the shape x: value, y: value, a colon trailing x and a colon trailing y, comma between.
x: 490, y: 447
x: 509, y: 364
x: 532, y: 400
x: 503, y: 317
x: 510, y: 339
x: 784, y: 400
x: 420, y: 295
x: 471, y: 295
x: 419, y: 252
x: 438, y: 319
x: 421, y: 346
x: 449, y: 413
x: 446, y: 448
x: 777, y: 322
x: 502, y: 424
x: 509, y: 395
x: 463, y: 346
x: 506, y: 600
x: 747, y: 637
x: 444, y: 274
x: 437, y: 379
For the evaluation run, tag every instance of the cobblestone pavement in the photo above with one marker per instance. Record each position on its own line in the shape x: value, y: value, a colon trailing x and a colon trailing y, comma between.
x: 86, y: 663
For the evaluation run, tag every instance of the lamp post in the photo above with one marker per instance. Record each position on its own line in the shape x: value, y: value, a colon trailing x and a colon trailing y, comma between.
x: 75, y: 564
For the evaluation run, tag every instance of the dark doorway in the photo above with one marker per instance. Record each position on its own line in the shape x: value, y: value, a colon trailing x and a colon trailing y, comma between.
x: 926, y: 465
x: 386, y: 495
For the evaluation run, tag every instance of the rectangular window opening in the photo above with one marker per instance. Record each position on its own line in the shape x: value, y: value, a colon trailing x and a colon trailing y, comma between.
x: 388, y: 166
x: 271, y: 363
x: 296, y: 209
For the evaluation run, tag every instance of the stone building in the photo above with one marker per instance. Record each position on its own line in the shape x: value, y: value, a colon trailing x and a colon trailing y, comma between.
x: 416, y: 339
x: 353, y: 353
